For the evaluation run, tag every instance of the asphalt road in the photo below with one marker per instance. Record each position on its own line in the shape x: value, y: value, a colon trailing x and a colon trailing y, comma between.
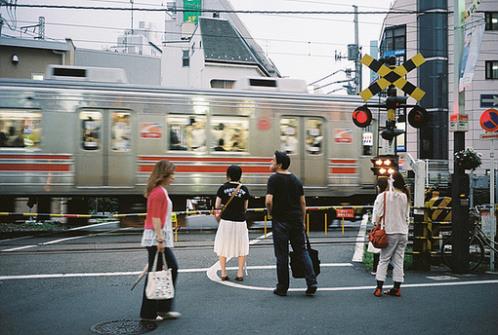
x: 84, y: 278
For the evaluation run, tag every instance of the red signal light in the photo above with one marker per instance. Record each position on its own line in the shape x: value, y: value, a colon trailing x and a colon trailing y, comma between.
x: 417, y: 117
x: 362, y: 117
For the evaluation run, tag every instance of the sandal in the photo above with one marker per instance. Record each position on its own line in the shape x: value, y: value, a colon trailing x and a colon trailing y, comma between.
x: 225, y: 278
x: 239, y: 278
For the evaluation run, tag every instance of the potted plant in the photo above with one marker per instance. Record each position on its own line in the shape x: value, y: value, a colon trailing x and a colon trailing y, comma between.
x: 469, y: 159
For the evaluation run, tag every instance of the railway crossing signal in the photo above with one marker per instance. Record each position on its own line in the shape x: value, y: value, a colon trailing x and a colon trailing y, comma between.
x: 362, y: 117
x: 391, y: 76
x: 394, y: 76
x: 385, y: 165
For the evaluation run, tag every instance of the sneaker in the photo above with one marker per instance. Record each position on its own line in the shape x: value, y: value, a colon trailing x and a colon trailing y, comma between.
x: 395, y: 292
x: 279, y: 293
x: 378, y: 292
x: 311, y: 290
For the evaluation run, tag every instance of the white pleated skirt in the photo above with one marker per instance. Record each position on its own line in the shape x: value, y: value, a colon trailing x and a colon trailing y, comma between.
x: 232, y: 239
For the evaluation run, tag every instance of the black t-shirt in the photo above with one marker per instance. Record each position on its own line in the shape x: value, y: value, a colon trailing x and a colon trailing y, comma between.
x: 235, y: 210
x: 287, y: 190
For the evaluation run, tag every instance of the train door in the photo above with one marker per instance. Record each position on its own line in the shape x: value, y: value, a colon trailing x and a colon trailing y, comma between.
x: 303, y: 140
x: 104, y: 155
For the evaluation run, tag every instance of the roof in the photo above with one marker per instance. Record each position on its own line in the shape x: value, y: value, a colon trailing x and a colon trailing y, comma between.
x: 222, y: 43
x: 34, y: 44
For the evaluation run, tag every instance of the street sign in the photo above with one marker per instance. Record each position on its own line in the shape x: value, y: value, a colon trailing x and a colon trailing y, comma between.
x: 489, y: 100
x: 489, y: 120
x: 344, y: 213
x: 459, y: 122
x: 393, y: 76
x: 489, y: 136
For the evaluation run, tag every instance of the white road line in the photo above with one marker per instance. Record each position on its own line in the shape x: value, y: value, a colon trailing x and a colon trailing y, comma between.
x: 360, y: 241
x: 64, y: 239
x: 93, y: 225
x: 133, y: 273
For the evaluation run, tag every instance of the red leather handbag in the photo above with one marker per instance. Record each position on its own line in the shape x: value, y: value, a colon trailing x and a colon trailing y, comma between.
x: 378, y: 235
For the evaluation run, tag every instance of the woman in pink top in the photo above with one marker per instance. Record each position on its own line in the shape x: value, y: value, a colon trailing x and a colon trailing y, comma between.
x: 158, y: 236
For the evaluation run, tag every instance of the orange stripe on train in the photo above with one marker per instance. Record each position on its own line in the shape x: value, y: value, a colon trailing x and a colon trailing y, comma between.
x: 343, y: 170
x: 206, y: 159
x: 36, y: 167
x: 209, y: 168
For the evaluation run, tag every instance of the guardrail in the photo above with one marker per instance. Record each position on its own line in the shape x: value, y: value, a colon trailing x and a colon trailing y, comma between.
x: 187, y: 213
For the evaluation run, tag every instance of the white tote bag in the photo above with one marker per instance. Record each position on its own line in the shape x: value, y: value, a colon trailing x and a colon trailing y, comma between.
x: 160, y: 283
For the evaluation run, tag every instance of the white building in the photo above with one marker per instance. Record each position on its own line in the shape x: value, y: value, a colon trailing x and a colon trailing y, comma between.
x: 142, y: 41
x: 431, y: 33
x: 211, y: 51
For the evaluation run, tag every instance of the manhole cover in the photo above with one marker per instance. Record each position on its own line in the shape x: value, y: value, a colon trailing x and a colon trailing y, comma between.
x: 123, y: 327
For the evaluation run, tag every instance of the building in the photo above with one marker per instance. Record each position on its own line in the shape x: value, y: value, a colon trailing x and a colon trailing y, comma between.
x: 28, y: 58
x: 431, y: 33
x: 141, y: 41
x: 211, y: 51
x: 140, y: 69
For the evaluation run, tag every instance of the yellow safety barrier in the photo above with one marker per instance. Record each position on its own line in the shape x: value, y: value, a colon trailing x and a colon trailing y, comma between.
x: 187, y: 212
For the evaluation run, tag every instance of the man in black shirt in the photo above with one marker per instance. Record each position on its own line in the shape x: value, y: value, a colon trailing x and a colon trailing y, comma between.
x: 286, y: 203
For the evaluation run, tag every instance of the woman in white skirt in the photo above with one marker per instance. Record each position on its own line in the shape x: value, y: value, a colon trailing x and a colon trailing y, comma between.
x: 232, y: 237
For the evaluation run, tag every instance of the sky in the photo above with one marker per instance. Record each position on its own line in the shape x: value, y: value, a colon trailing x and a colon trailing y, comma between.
x: 301, y: 46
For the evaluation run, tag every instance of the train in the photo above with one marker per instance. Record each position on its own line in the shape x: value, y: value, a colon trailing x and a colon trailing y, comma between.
x: 75, y: 138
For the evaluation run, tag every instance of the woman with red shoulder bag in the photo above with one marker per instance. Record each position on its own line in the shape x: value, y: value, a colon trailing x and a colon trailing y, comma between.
x: 392, y: 207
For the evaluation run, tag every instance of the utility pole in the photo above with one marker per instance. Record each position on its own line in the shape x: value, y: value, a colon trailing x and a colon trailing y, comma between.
x: 357, y: 60
x: 131, y: 1
x: 460, y: 180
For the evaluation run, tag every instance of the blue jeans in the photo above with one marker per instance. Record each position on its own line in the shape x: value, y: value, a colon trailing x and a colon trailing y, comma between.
x: 290, y: 231
x: 151, y: 308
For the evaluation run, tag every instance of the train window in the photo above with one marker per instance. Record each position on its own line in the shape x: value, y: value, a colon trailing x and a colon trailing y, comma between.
x: 314, y: 136
x: 229, y: 133
x: 91, y: 123
x: 187, y: 132
x: 121, y: 132
x: 289, y: 135
x: 20, y: 129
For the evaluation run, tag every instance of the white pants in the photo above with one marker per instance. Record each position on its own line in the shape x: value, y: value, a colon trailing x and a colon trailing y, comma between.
x: 394, y: 253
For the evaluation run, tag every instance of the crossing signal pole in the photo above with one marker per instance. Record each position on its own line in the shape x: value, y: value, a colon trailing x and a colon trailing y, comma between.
x: 460, y: 180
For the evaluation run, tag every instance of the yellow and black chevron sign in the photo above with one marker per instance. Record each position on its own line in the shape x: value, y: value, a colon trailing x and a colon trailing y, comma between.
x: 392, y: 76
x: 443, y: 211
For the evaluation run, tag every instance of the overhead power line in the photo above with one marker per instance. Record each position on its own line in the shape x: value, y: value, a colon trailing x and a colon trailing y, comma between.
x: 235, y: 11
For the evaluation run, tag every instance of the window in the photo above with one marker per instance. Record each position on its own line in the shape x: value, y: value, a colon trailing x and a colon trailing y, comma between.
x: 229, y: 133
x: 314, y: 136
x: 492, y: 69
x: 187, y: 133
x: 91, y: 124
x: 219, y: 83
x: 394, y: 39
x: 186, y: 58
x: 121, y: 132
x: 289, y: 135
x: 491, y: 19
x: 20, y: 129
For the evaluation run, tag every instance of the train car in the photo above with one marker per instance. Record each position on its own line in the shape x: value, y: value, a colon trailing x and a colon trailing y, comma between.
x: 73, y: 138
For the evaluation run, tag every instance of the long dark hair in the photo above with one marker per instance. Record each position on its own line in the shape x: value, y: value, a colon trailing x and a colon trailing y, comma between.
x: 162, y: 170
x: 382, y: 183
x: 399, y: 183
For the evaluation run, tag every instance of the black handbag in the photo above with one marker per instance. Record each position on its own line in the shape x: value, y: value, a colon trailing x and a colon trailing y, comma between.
x: 297, y: 266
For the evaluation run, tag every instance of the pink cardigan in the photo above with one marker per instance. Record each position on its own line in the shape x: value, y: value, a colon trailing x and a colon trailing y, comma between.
x: 157, y: 207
